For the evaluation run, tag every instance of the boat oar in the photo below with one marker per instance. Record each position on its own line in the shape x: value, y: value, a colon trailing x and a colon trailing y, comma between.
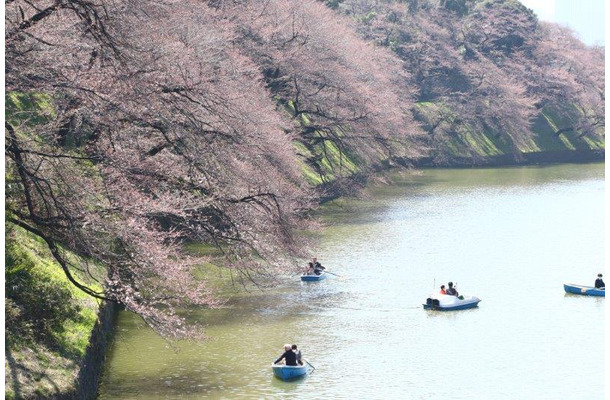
x: 308, y: 363
x: 340, y: 276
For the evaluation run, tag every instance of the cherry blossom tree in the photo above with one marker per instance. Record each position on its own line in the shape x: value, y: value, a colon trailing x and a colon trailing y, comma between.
x: 157, y: 133
x: 339, y: 88
x: 570, y: 79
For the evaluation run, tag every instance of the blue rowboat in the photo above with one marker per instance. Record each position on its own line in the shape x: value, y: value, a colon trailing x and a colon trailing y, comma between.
x: 584, y: 290
x: 288, y: 372
x: 313, y: 278
x: 450, y: 303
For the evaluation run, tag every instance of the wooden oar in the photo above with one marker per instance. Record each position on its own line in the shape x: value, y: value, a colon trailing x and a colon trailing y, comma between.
x: 310, y: 364
x: 340, y: 276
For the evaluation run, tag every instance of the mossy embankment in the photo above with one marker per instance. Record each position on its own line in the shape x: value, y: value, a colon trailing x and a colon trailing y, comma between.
x: 335, y: 172
x: 54, y: 332
x: 548, y: 143
x: 324, y: 165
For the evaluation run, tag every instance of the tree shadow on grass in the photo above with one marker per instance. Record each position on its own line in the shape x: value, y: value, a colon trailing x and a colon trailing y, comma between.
x: 16, y: 385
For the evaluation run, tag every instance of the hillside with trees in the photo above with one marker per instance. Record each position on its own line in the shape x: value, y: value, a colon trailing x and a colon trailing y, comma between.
x: 136, y: 127
x: 494, y: 84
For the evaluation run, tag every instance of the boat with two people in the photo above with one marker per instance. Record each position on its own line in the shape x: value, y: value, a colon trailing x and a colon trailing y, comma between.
x: 314, y: 272
x: 446, y: 302
x: 450, y: 300
x: 294, y: 365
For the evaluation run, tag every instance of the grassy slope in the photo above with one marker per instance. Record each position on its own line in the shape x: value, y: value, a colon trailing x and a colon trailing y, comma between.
x: 39, y: 363
x: 49, y: 321
x: 322, y: 162
x: 468, y: 142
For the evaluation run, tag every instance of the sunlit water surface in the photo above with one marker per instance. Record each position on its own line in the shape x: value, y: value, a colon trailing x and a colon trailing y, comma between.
x: 509, y: 236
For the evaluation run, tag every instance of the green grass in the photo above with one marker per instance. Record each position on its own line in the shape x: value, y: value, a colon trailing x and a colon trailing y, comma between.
x: 550, y: 121
x: 467, y: 142
x: 322, y: 162
x: 480, y: 143
x: 595, y: 144
x: 202, y: 249
x: 50, y: 320
x: 28, y: 109
x: 311, y: 176
x: 330, y: 160
x: 308, y: 172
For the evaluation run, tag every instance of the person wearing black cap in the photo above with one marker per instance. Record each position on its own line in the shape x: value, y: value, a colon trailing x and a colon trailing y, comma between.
x: 599, y: 282
x: 451, y: 291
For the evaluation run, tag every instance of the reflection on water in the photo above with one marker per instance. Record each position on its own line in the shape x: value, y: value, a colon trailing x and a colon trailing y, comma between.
x: 509, y: 236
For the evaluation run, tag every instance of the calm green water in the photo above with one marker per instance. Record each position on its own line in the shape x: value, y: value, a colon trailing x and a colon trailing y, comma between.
x: 509, y: 236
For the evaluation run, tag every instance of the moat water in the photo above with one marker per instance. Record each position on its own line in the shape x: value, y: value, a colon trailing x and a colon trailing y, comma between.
x: 511, y: 236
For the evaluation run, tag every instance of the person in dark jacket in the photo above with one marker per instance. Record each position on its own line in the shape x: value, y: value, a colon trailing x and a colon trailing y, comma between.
x: 289, y: 355
x: 451, y: 291
x: 599, y: 282
x: 317, y: 267
x: 298, y: 354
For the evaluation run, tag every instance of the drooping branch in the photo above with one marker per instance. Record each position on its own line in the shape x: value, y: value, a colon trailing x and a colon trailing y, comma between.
x: 54, y: 248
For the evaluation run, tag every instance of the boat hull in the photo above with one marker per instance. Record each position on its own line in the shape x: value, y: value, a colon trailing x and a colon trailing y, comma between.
x: 451, y: 303
x: 313, y: 278
x: 583, y: 290
x: 287, y: 373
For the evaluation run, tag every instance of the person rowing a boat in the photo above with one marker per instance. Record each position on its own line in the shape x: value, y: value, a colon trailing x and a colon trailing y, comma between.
x: 451, y: 291
x: 317, y: 267
x: 289, y: 355
x: 599, y: 282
